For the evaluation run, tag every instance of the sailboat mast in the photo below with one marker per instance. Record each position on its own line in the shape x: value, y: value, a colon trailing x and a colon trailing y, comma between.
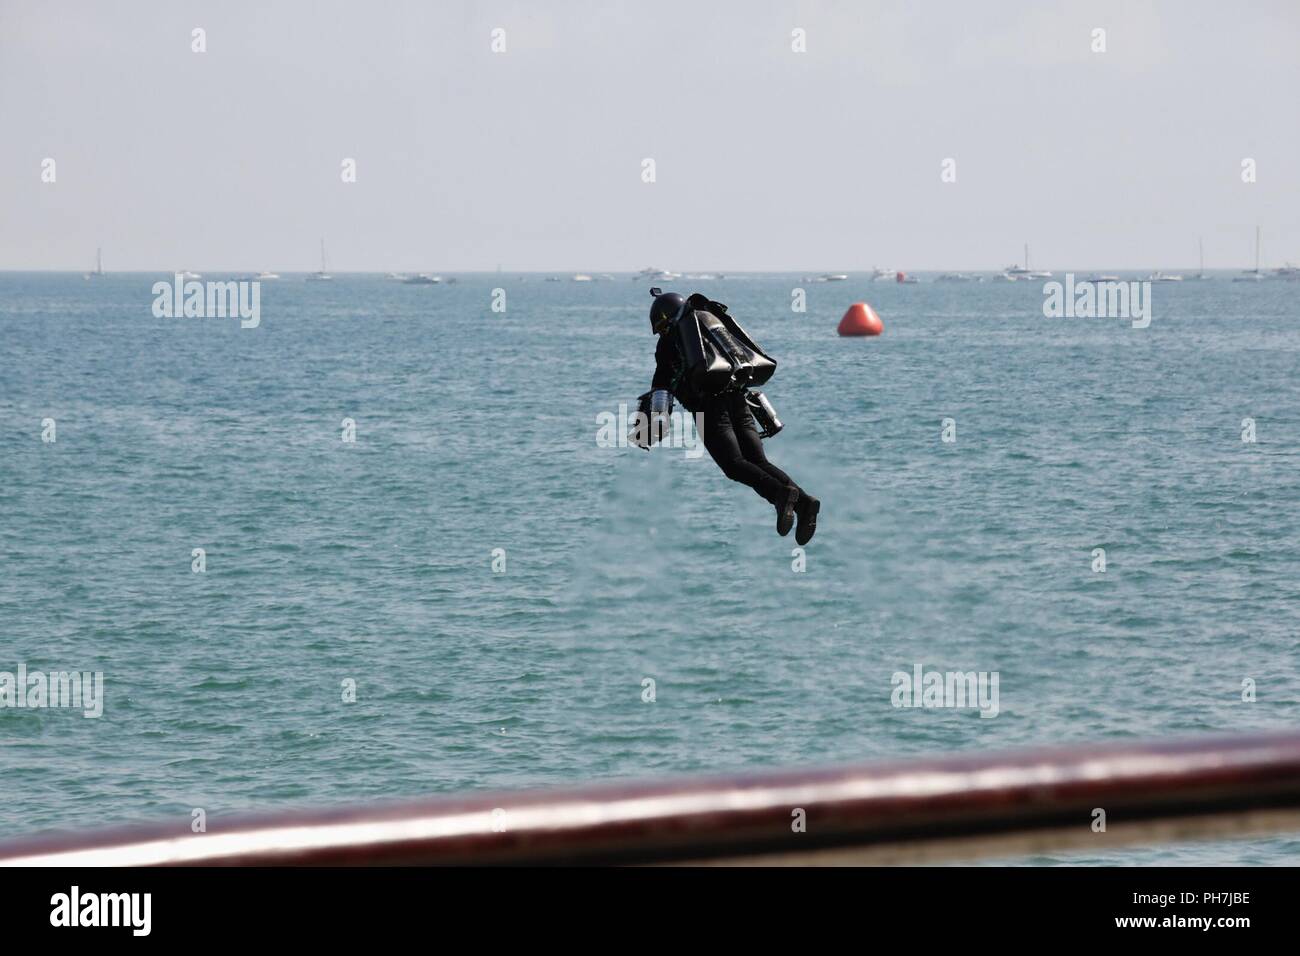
x: 99, y: 259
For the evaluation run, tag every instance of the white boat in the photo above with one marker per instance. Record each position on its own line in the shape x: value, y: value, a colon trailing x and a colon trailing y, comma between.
x: 99, y: 266
x: 1201, y: 273
x: 882, y: 275
x: 186, y: 274
x: 656, y: 274
x: 957, y: 277
x: 322, y: 275
x: 581, y: 277
x: 1252, y: 275
x: 1016, y: 273
x: 1287, y: 271
x: 422, y: 278
x: 832, y: 277
x: 264, y: 276
x: 1159, y: 276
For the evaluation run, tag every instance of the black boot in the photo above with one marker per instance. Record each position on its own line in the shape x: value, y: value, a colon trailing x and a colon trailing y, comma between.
x: 807, y: 510
x: 785, y: 510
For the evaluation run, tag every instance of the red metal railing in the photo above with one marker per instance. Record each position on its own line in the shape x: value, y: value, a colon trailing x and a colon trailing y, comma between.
x: 893, y: 811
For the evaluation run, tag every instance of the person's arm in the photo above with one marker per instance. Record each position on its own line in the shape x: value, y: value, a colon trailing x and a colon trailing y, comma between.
x: 663, y: 366
x: 654, y: 407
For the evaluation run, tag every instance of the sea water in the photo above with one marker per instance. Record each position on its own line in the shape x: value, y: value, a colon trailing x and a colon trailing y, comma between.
x: 372, y: 548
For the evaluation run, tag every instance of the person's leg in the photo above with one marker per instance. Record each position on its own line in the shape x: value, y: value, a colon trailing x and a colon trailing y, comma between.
x: 804, y: 505
x: 751, y: 445
x: 723, y: 444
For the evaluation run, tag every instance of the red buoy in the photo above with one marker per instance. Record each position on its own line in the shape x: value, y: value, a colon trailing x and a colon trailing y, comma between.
x: 860, y: 319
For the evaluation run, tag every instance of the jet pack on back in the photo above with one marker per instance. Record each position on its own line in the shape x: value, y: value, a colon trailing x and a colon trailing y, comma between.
x: 719, y: 355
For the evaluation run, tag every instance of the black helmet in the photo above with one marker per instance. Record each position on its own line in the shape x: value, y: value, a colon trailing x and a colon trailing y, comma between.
x: 666, y: 307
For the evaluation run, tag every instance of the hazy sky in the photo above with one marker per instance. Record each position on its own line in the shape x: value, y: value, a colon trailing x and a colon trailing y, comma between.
x: 531, y: 159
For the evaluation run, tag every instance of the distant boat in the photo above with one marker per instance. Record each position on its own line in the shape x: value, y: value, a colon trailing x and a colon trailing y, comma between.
x: 422, y: 279
x: 99, y: 266
x: 1096, y: 278
x: 653, y: 274
x: 1287, y: 271
x: 882, y: 275
x: 322, y: 275
x: 580, y: 277
x: 1200, y: 243
x: 395, y: 277
x: 552, y: 279
x: 1016, y: 273
x: 263, y: 276
x: 186, y: 274
x: 957, y: 277
x: 902, y: 278
x: 1159, y: 276
x: 1252, y: 275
